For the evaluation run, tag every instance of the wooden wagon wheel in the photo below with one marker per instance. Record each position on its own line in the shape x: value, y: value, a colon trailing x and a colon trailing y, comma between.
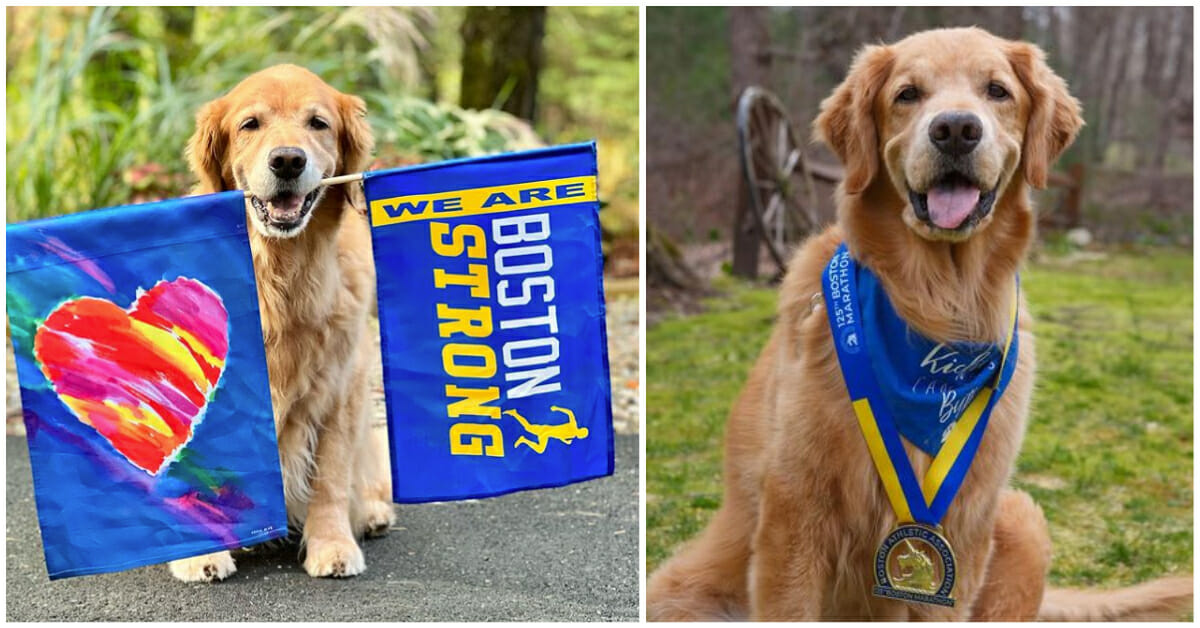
x: 776, y: 173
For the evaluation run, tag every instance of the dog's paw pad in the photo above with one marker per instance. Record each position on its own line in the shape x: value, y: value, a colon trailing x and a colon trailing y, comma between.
x: 339, y: 558
x: 207, y: 568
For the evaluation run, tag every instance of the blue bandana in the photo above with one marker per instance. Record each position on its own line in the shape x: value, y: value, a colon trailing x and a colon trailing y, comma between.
x: 926, y: 385
x: 937, y: 396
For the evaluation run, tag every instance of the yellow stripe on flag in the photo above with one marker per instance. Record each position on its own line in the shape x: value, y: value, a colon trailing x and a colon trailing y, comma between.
x: 489, y: 200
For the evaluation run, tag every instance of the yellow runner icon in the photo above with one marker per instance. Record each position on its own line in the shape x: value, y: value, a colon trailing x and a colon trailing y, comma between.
x: 565, y: 432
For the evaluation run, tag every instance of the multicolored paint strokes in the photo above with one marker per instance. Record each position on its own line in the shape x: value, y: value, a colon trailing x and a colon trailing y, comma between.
x: 143, y: 377
x: 144, y: 386
x: 68, y: 254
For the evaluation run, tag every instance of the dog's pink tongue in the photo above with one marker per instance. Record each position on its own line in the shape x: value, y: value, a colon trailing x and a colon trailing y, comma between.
x: 950, y: 206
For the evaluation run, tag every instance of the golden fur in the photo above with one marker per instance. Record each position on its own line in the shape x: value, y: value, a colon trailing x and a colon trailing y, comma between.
x: 316, y: 287
x: 804, y: 510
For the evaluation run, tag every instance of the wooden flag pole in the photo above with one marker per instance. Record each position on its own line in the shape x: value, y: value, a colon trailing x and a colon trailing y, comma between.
x: 345, y: 178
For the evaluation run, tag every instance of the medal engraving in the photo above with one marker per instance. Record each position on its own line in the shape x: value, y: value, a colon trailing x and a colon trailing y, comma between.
x: 912, y: 568
x: 915, y: 563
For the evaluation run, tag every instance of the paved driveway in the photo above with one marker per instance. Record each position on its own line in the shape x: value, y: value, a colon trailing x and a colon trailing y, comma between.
x: 569, y: 553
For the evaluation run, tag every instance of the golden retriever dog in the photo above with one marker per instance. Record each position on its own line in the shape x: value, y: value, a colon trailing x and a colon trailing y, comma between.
x: 961, y: 114
x: 276, y: 135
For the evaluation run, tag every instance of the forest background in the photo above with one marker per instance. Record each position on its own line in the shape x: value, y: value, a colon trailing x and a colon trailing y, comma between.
x: 102, y: 100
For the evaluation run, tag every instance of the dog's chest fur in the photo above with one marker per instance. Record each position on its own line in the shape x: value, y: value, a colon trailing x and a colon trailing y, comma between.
x: 313, y: 308
x: 308, y: 308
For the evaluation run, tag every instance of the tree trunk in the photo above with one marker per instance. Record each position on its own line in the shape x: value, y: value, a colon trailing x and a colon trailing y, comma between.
x: 749, y: 63
x: 1174, y: 89
x: 501, y: 58
x: 1116, y: 69
x: 1155, y: 36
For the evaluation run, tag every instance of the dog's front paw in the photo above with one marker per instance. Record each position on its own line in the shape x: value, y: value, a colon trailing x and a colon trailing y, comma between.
x: 380, y: 517
x: 334, y: 558
x: 206, y: 568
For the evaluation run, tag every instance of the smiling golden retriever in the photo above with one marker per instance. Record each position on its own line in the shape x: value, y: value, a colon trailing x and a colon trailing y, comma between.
x: 941, y: 134
x: 276, y: 135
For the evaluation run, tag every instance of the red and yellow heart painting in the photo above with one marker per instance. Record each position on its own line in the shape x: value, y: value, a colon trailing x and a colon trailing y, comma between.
x: 143, y: 376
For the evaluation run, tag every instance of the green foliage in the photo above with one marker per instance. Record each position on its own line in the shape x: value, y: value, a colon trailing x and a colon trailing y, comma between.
x: 120, y: 86
x: 590, y: 82
x: 589, y: 89
x: 430, y: 132
x: 98, y: 97
x: 54, y: 140
x: 1108, y: 454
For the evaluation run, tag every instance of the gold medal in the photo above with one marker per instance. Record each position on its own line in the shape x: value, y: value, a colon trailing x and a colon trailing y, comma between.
x: 915, y: 563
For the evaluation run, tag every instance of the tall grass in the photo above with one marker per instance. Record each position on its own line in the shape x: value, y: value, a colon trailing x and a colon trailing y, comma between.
x: 98, y: 91
x: 61, y: 149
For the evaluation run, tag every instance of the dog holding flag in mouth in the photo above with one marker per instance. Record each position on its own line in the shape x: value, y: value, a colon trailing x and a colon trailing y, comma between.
x: 276, y: 135
x: 868, y: 457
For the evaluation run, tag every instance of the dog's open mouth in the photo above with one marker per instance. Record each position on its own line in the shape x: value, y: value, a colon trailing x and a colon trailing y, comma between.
x: 953, y: 202
x: 286, y: 210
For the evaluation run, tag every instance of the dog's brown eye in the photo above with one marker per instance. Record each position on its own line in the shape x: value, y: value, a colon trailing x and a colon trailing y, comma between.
x: 996, y: 91
x: 908, y: 94
x: 318, y: 124
x: 249, y: 124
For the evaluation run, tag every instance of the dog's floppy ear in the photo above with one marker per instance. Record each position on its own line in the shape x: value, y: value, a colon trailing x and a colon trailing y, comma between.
x: 1054, y: 116
x: 205, y: 151
x: 356, y: 142
x: 847, y: 121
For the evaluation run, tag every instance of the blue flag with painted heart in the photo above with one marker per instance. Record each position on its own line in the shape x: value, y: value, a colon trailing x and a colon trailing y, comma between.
x: 143, y: 382
x: 491, y: 316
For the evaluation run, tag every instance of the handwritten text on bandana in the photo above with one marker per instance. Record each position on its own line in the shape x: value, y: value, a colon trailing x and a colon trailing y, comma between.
x: 927, y: 385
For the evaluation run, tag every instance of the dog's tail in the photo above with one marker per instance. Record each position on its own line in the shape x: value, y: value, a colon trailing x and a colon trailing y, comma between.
x: 1164, y: 599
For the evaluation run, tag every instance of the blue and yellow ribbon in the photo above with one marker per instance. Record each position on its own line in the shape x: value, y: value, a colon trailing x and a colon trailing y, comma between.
x: 923, y: 502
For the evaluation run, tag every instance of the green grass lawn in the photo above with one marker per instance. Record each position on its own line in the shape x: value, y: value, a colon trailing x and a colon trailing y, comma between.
x: 1108, y: 453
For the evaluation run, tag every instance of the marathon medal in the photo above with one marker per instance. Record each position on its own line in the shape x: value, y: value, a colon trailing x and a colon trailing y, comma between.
x: 915, y: 562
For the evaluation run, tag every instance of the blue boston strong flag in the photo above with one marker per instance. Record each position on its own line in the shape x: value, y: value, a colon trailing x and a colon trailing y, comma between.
x: 491, y: 314
x: 144, y: 384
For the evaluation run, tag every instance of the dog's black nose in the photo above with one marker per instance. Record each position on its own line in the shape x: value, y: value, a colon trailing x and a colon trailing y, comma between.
x: 287, y: 162
x: 956, y: 132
